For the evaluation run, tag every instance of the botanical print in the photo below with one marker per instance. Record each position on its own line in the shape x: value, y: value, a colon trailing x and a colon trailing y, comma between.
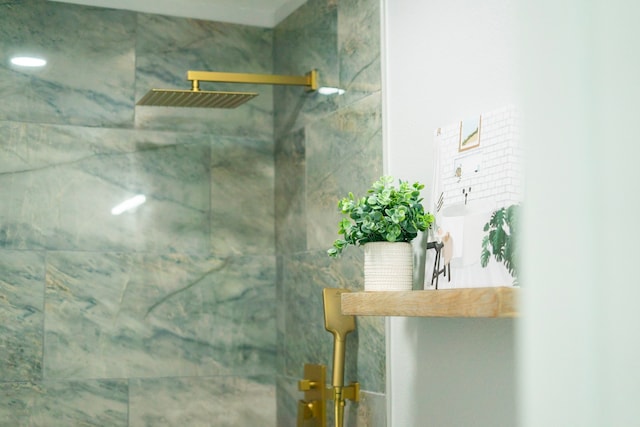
x: 470, y: 133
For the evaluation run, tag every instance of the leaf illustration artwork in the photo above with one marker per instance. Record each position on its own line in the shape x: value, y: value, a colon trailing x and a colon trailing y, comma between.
x: 501, y: 240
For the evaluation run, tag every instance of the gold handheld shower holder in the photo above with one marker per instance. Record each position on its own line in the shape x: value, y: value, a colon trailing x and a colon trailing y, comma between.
x: 222, y: 99
x: 312, y: 408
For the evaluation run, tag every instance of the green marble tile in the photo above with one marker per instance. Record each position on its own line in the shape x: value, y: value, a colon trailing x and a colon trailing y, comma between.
x: 371, y: 357
x: 288, y: 396
x: 307, y: 39
x: 242, y: 189
x: 344, y: 153
x: 96, y: 403
x: 203, y: 402
x: 88, y: 79
x: 21, y: 315
x: 371, y: 411
x: 306, y: 340
x: 59, y: 184
x: 115, y: 315
x: 290, y: 190
x: 359, y: 48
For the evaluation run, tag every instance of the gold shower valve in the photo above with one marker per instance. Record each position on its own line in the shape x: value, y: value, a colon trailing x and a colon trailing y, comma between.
x: 307, y: 411
x: 313, y: 383
x: 311, y: 410
x: 304, y: 385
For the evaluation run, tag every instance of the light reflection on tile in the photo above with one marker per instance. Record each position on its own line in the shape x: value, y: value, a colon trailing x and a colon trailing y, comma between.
x: 88, y: 78
x: 59, y: 184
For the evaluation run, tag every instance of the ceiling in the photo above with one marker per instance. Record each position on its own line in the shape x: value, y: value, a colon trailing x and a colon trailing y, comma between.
x: 261, y: 13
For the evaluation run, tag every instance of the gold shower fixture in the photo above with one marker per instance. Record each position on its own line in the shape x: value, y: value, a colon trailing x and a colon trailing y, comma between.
x: 311, y: 410
x: 221, y: 99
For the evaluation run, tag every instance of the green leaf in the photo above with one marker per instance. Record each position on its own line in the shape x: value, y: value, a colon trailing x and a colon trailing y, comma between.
x: 388, y: 212
x: 484, y: 257
x: 501, y: 240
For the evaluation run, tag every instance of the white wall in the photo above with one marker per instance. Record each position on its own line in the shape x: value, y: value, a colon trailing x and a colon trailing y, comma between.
x: 446, y: 60
x: 578, y: 342
x: 580, y: 335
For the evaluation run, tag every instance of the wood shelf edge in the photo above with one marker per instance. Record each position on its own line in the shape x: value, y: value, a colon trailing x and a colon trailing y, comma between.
x: 491, y: 302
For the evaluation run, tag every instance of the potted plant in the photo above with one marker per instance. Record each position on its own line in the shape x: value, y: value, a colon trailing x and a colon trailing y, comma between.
x: 384, y: 222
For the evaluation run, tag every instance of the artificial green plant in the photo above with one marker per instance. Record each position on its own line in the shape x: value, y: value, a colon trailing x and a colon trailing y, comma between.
x: 387, y: 214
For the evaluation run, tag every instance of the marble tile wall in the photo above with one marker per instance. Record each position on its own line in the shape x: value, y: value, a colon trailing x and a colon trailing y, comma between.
x: 325, y: 147
x: 167, y: 314
x: 89, y: 79
x: 60, y: 183
x: 164, y: 315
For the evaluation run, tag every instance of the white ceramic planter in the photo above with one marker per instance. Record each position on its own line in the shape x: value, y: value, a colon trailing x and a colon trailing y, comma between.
x: 388, y: 266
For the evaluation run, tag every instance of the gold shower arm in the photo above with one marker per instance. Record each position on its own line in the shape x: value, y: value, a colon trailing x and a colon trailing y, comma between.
x: 310, y: 80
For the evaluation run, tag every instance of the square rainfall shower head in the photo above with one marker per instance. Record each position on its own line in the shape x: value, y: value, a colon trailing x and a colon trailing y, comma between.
x: 195, y: 99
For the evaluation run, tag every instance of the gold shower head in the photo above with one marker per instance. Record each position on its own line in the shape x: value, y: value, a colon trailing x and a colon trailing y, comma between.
x: 197, y: 99
x: 216, y: 99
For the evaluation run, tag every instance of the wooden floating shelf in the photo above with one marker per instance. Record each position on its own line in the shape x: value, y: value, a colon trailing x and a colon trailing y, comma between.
x: 469, y: 302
